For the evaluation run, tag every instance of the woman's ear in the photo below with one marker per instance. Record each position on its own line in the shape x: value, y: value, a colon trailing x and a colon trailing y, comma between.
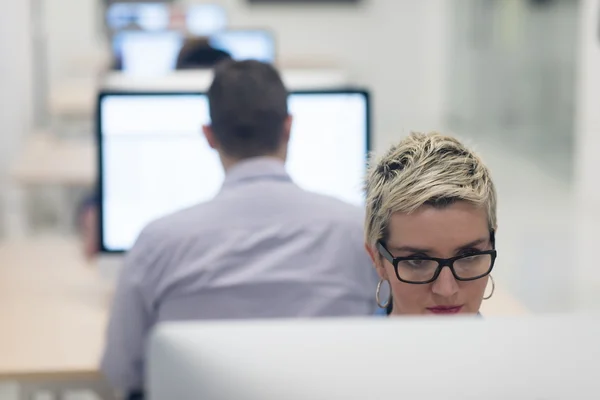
x: 377, y: 261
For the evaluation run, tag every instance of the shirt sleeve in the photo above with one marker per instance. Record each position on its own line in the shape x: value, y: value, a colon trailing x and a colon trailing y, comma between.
x: 129, y: 325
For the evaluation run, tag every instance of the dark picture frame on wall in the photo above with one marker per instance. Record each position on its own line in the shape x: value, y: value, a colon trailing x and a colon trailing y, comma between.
x: 304, y: 1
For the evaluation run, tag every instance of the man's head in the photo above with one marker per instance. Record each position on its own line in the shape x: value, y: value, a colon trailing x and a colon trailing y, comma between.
x: 248, y: 111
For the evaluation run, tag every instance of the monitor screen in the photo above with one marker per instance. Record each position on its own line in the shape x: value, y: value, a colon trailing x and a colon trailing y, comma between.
x: 155, y: 53
x: 246, y: 44
x: 154, y: 159
x: 205, y: 19
x: 145, y: 16
x: 143, y: 53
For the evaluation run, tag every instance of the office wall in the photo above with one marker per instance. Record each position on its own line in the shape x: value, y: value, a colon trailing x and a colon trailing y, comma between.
x: 15, y: 86
x: 394, y: 47
x: 587, y: 127
x: 588, y: 99
x: 513, y: 75
x: 397, y: 48
x: 72, y: 34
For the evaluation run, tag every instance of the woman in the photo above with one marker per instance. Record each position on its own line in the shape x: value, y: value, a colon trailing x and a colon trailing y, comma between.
x: 431, y: 204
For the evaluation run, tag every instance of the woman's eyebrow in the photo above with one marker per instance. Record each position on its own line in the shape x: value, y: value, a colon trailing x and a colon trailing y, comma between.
x: 472, y: 244
x: 409, y: 249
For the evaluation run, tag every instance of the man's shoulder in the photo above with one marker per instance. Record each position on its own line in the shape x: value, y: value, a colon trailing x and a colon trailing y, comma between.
x: 203, y: 219
x: 166, y: 235
x: 335, y: 207
x: 182, y: 221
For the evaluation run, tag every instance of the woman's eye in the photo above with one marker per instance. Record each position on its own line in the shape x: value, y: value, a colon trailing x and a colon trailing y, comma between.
x: 471, y: 259
x: 418, y: 263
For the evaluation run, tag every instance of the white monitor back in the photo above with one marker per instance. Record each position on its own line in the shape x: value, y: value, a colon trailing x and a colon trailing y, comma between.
x: 541, y: 358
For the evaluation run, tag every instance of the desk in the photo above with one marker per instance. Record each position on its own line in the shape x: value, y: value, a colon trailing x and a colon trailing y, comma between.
x: 200, y: 80
x: 46, y: 160
x: 73, y: 98
x: 53, y: 311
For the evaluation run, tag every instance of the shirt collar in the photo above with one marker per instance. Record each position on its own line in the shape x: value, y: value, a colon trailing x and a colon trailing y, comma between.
x: 256, y: 168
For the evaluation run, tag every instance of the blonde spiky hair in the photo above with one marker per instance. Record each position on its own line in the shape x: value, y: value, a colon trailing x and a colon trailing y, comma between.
x: 425, y: 169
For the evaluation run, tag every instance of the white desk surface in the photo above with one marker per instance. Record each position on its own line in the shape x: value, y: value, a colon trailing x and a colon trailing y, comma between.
x: 54, y: 309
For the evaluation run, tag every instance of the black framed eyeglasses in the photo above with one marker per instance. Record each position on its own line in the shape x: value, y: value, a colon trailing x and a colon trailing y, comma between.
x: 421, y: 270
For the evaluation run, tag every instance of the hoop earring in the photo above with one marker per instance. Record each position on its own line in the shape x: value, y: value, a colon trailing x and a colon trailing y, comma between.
x: 378, y: 295
x: 493, y: 289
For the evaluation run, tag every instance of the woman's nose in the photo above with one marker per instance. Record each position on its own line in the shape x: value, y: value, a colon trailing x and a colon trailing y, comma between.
x: 445, y: 285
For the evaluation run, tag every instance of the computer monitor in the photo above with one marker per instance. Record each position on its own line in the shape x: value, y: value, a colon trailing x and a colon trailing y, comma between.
x: 142, y: 15
x: 155, y: 53
x: 541, y: 358
x: 246, y: 44
x: 154, y: 159
x: 205, y: 19
x: 146, y: 53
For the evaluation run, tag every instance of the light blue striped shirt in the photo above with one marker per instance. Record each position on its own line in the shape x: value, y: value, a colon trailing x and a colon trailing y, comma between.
x: 262, y: 248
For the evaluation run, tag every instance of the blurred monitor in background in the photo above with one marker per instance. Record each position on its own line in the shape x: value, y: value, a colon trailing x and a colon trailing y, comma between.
x: 206, y: 19
x: 145, y: 53
x: 144, y: 16
x: 246, y: 44
x: 147, y: 37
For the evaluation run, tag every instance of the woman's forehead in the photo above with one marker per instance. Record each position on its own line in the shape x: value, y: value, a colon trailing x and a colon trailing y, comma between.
x: 455, y: 225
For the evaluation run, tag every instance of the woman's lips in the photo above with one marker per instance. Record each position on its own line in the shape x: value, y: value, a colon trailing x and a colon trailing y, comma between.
x: 445, y: 309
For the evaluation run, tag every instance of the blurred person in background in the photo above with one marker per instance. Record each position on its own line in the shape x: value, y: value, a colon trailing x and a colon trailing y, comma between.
x: 431, y: 204
x: 88, y: 224
x: 197, y: 53
x: 263, y: 248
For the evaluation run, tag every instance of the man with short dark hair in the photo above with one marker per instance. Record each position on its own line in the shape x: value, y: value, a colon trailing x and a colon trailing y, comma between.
x: 248, y: 112
x: 262, y: 248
